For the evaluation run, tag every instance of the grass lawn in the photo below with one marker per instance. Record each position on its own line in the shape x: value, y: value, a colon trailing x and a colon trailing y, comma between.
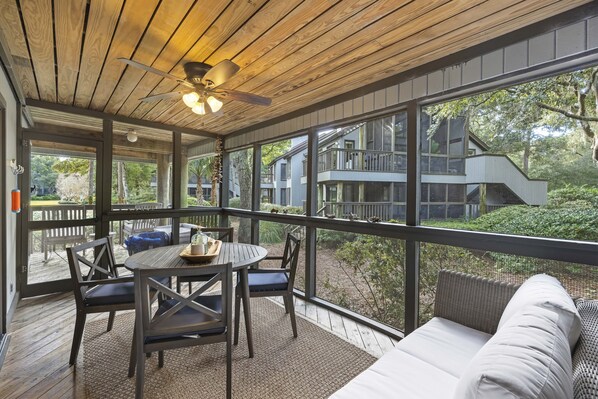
x: 44, y: 202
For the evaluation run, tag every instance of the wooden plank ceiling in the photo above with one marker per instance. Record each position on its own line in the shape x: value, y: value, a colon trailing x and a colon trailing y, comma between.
x: 298, y: 52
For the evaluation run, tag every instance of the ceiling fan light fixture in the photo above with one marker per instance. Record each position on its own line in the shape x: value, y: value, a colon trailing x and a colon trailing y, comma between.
x: 215, y: 104
x: 199, y: 108
x: 132, y: 135
x: 190, y: 99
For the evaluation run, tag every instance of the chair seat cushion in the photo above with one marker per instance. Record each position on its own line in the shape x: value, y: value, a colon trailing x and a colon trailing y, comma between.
x: 111, y: 294
x: 264, y: 281
x: 187, y: 317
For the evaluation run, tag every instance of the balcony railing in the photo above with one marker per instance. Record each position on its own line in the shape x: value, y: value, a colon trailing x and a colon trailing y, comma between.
x: 267, y: 178
x: 362, y: 210
x: 359, y: 160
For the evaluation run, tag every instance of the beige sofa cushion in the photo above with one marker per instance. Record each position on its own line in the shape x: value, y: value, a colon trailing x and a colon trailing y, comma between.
x: 444, y: 344
x: 529, y: 357
x: 546, y: 291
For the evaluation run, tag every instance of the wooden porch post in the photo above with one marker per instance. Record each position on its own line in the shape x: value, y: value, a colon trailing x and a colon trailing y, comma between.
x: 184, y: 179
x: 483, y: 199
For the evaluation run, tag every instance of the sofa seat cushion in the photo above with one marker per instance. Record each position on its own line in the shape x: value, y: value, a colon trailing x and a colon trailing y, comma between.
x: 546, y: 291
x: 529, y: 357
x: 444, y: 344
x: 398, y: 374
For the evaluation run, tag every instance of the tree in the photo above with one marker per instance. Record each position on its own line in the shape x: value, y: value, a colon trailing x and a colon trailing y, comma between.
x: 200, y: 168
x: 518, y: 121
x: 242, y: 162
x: 43, y: 175
x: 574, y: 96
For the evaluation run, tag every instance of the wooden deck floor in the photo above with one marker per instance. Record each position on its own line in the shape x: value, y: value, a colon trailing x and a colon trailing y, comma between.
x: 36, y: 365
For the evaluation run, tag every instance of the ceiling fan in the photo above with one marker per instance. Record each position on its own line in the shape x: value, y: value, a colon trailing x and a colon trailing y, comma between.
x: 202, y: 83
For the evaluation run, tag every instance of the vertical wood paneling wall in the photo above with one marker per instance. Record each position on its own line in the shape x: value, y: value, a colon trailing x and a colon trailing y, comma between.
x: 528, y: 58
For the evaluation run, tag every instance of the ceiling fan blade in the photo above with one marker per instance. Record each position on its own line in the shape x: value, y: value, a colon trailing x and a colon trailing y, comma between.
x: 242, y: 96
x: 163, y: 96
x: 154, y: 70
x: 220, y: 73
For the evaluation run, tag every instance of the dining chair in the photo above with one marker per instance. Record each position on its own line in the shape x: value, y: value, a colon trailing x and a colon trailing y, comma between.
x: 224, y: 234
x: 97, y: 285
x: 273, y: 282
x: 202, y: 317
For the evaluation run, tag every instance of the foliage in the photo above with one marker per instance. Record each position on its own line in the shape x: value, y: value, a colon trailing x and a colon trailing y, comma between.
x: 271, y: 232
x: 573, y: 196
x: 202, y: 168
x: 374, y: 266
x: 43, y: 176
x: 71, y: 166
x: 333, y: 238
x: 273, y: 150
x: 234, y: 202
x: 47, y: 197
x: 566, y: 223
x: 545, y: 126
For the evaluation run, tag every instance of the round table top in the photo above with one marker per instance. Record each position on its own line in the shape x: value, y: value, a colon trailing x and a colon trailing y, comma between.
x: 241, y: 256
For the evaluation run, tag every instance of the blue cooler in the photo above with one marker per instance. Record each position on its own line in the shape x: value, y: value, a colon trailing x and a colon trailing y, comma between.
x: 144, y: 241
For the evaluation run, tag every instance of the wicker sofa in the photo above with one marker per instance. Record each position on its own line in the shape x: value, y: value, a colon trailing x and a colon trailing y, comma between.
x: 491, y: 340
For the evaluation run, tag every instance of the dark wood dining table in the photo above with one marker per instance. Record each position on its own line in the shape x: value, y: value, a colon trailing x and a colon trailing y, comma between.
x: 242, y: 256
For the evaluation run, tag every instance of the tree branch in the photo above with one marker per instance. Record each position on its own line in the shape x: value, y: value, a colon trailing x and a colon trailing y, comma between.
x: 568, y: 114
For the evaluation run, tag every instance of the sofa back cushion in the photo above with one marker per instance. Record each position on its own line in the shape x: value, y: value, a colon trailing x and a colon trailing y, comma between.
x: 585, y: 357
x: 546, y: 291
x: 528, y: 357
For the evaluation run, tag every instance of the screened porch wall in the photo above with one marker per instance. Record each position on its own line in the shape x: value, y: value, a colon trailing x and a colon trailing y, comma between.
x: 525, y: 59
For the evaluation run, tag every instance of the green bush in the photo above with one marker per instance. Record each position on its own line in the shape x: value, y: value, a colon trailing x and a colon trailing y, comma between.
x: 47, y: 197
x: 573, y: 196
x: 234, y: 202
x: 271, y: 233
x: 566, y: 223
x: 333, y: 239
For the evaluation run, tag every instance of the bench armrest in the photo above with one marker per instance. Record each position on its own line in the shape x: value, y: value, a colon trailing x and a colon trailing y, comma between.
x: 472, y: 301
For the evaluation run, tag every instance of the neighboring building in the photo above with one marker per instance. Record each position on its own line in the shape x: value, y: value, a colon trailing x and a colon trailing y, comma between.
x: 362, y: 170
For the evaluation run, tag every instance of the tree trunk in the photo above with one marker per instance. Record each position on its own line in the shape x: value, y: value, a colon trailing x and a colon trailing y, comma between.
x: 91, y: 178
x: 122, y: 189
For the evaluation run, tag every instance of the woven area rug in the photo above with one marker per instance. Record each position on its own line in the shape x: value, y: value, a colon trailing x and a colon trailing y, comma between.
x: 314, y: 365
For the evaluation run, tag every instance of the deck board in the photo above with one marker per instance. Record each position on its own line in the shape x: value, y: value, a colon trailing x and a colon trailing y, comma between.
x: 36, y: 365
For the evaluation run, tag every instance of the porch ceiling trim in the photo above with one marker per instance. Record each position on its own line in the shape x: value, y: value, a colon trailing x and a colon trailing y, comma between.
x: 116, y: 118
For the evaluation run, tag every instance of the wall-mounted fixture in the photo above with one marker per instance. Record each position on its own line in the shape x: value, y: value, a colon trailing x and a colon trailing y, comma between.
x: 15, y: 194
x: 132, y: 135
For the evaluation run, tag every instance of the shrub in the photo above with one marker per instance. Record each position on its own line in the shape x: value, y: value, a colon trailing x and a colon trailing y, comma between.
x: 47, y: 197
x: 571, y: 195
x: 333, y: 239
x: 271, y: 233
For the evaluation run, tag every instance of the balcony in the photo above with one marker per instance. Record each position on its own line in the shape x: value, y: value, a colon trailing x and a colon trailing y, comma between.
x: 359, y: 210
x: 340, y: 159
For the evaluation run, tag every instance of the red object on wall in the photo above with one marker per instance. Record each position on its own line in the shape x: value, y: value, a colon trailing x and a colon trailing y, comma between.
x: 16, y: 200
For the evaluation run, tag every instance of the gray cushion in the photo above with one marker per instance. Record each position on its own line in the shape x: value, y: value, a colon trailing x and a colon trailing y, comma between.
x: 546, y: 291
x: 585, y: 357
x: 528, y: 357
